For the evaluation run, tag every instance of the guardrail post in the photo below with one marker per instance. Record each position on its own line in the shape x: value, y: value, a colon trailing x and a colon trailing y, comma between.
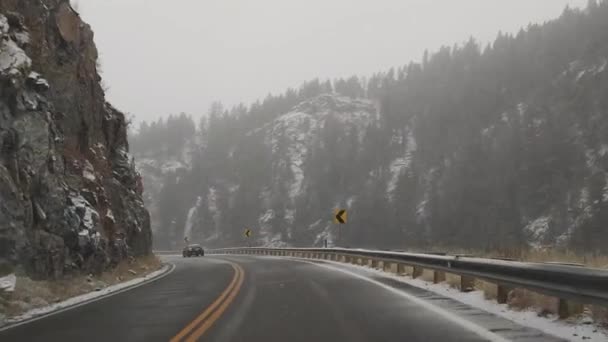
x: 417, y: 272
x: 400, y: 269
x: 438, y: 277
x: 467, y: 284
x: 502, y: 294
x: 374, y: 263
x: 566, y: 308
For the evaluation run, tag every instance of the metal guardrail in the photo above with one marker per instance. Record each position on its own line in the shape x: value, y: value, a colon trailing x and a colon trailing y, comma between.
x: 580, y: 285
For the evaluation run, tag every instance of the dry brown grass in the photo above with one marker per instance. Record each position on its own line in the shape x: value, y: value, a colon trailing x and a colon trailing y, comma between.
x: 599, y: 314
x: 30, y: 294
x: 122, y: 272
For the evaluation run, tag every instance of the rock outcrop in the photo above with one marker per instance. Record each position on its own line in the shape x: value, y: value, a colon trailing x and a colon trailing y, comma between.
x: 70, y: 198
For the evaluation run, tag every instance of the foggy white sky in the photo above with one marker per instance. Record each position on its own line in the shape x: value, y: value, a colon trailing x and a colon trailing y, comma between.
x: 171, y: 56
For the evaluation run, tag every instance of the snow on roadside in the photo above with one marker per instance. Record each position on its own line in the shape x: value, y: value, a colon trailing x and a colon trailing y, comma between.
x: 79, y: 300
x: 550, y: 325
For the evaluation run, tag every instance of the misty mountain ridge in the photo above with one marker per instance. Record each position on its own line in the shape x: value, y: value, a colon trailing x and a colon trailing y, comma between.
x: 496, y: 148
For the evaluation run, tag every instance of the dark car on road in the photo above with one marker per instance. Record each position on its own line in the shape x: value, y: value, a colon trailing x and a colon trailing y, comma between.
x: 193, y: 250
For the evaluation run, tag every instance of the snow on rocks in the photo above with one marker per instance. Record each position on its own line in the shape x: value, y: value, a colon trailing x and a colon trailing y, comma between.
x: 89, y: 216
x: 293, y: 134
x: 4, y: 26
x: 402, y: 164
x: 537, y: 229
x: 88, y: 171
x: 13, y: 60
x: 110, y: 215
x: 38, y: 81
x: 191, y: 218
x: 8, y: 283
x: 85, y: 220
x: 583, y: 71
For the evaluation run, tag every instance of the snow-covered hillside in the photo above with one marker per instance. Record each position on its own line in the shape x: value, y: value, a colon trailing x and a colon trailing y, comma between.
x: 498, y: 148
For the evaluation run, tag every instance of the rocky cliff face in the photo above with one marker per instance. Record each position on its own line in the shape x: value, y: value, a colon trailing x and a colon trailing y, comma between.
x: 70, y: 198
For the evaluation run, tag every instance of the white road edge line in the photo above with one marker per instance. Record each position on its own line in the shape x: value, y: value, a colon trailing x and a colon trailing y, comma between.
x: 479, y: 330
x: 89, y: 301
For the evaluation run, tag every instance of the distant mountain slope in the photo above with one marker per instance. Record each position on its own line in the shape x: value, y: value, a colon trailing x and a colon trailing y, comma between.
x: 502, y: 147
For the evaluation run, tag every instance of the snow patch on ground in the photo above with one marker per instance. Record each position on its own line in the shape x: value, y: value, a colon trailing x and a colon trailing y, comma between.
x: 487, y: 132
x: 582, y: 71
x: 550, y: 325
x: 274, y: 241
x: 605, y: 190
x: 290, y: 216
x: 325, y: 234
x: 396, y: 169
x: 402, y: 164
x: 213, y: 210
x: 350, y: 201
x: 590, y: 158
x: 86, y: 297
x: 537, y: 229
x: 266, y: 237
x: 521, y: 109
x: 165, y: 167
x: 602, y: 68
x: 190, y: 218
x: 7, y: 283
x: 603, y: 151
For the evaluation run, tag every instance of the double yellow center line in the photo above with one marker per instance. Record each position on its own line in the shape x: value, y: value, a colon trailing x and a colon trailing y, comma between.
x: 201, y: 324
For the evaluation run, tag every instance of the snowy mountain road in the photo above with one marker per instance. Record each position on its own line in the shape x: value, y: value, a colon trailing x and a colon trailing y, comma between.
x: 247, y: 298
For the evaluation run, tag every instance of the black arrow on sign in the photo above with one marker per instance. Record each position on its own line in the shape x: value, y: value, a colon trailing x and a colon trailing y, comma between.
x: 340, y: 216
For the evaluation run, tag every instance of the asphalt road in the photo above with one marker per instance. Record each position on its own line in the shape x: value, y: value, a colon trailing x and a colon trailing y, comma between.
x: 245, y: 298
